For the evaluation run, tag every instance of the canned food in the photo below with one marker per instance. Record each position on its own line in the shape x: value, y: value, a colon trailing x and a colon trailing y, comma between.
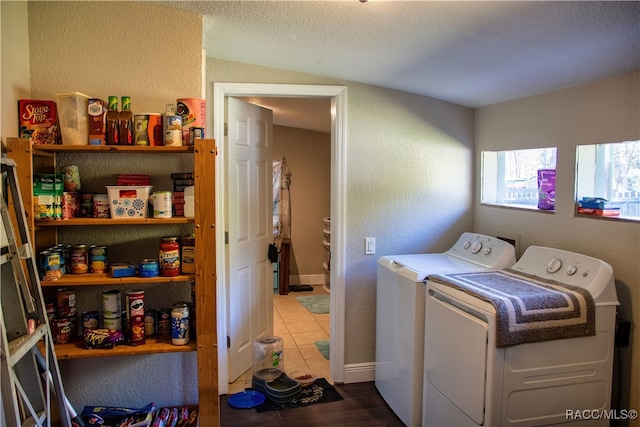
x: 180, y: 323
x: 66, y: 306
x: 51, y: 310
x: 162, y: 204
x: 86, y: 205
x: 150, y: 322
x: 79, y: 259
x: 111, y: 305
x: 63, y: 329
x: 114, y: 323
x: 148, y: 268
x: 90, y: 320
x: 98, y: 258
x: 195, y: 133
x: 50, y: 265
x: 163, y: 322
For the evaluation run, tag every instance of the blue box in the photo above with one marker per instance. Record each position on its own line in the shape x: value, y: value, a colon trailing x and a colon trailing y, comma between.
x: 122, y: 269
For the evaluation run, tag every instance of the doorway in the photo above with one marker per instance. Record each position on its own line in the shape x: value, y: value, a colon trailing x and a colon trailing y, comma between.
x: 337, y: 94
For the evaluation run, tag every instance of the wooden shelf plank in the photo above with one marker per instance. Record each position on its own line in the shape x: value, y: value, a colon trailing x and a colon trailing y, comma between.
x: 94, y: 279
x: 112, y: 149
x: 72, y: 222
x: 152, y: 345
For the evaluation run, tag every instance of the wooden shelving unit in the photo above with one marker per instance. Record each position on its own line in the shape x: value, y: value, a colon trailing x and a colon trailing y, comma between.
x: 33, y: 160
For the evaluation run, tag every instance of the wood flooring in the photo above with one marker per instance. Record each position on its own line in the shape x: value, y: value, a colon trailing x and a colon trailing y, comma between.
x: 362, y: 406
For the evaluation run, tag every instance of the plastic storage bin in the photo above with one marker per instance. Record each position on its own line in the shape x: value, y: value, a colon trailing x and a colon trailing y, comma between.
x: 128, y: 202
x: 189, y: 202
x: 74, y: 117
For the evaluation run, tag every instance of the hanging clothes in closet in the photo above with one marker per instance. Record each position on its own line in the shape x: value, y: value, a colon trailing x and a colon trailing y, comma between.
x: 281, y: 202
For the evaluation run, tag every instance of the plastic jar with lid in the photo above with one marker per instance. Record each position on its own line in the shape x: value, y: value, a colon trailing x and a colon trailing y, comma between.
x: 180, y: 323
x: 169, y: 256
x: 188, y: 254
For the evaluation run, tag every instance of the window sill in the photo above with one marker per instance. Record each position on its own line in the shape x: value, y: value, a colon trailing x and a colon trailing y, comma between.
x: 518, y: 207
x: 608, y: 218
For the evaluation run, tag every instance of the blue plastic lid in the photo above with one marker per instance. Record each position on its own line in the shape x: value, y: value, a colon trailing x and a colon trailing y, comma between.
x: 246, y: 399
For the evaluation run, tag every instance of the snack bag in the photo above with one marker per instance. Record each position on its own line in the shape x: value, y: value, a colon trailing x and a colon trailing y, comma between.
x: 546, y: 189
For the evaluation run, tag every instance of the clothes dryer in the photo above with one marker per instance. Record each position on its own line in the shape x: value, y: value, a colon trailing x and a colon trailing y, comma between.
x: 529, y: 346
x: 400, y: 314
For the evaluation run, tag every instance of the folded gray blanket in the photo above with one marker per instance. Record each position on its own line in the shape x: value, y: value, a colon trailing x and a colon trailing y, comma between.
x: 528, y: 308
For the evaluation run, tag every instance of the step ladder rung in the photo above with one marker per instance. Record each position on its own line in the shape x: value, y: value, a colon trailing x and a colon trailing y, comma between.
x: 21, y: 346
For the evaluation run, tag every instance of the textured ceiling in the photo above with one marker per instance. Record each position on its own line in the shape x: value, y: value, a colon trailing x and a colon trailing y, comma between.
x: 473, y: 53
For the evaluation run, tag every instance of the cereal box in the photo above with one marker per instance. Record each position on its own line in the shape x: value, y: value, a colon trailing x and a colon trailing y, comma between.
x: 38, y: 121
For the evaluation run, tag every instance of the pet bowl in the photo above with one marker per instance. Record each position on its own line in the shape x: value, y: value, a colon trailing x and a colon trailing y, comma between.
x: 304, y: 377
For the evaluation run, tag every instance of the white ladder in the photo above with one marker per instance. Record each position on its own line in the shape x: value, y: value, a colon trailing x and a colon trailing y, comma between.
x: 31, y: 381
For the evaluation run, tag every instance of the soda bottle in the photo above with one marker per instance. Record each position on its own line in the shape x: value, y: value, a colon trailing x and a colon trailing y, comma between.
x: 113, y: 122
x: 126, y: 122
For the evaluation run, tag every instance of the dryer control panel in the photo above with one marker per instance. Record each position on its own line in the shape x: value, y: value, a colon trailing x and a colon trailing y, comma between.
x: 486, y: 251
x: 569, y: 268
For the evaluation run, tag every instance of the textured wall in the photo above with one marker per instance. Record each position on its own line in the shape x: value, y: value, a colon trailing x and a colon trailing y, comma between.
x: 308, y: 155
x: 604, y: 111
x: 144, y: 51
x: 409, y: 181
x: 15, y: 64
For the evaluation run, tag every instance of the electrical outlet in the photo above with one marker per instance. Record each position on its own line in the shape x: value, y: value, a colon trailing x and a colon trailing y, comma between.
x: 370, y: 246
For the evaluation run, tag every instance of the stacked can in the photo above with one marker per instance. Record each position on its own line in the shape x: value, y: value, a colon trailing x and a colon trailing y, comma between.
x: 135, y: 317
x: 163, y: 322
x: 64, y: 323
x: 112, y: 309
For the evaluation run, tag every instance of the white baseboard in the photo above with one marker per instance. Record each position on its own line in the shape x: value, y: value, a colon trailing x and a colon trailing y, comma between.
x: 359, y: 372
x: 307, y: 279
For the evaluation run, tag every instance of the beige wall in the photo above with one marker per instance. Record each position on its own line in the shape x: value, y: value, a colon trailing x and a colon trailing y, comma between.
x: 409, y: 171
x: 604, y: 111
x: 15, y: 64
x: 308, y: 155
x: 119, y: 48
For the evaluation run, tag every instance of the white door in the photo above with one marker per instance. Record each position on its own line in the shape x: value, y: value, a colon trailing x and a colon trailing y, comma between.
x: 250, y: 310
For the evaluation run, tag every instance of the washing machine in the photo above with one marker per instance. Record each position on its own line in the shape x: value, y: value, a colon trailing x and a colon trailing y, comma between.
x: 400, y: 314
x: 528, y: 346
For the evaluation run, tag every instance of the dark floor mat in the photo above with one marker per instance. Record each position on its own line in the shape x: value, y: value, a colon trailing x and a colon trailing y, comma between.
x: 300, y: 288
x: 319, y: 392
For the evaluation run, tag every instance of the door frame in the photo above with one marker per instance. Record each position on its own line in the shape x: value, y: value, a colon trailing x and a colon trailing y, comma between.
x: 338, y: 95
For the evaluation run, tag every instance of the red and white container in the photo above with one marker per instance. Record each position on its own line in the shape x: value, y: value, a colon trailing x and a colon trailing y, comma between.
x: 194, y: 115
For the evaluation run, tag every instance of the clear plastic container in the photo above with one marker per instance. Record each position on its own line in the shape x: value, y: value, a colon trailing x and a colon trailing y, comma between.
x: 268, y: 358
x: 189, y: 202
x: 73, y: 113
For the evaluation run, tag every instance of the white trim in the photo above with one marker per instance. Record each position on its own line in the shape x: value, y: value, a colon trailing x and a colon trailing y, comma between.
x: 308, y: 279
x: 338, y: 95
x: 359, y: 372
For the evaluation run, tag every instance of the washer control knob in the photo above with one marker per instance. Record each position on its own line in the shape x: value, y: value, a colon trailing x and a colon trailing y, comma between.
x: 475, y: 248
x: 571, y: 270
x: 486, y: 251
x: 467, y: 244
x: 554, y: 265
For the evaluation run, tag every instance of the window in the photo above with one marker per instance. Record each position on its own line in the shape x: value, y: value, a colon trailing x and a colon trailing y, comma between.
x: 610, y: 172
x: 510, y: 178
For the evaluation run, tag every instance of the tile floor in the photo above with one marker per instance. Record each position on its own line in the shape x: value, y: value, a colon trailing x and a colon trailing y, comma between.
x: 299, y: 329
